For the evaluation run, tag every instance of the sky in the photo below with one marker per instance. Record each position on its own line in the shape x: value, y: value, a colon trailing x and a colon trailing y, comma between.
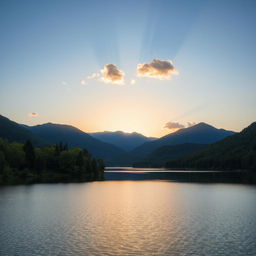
x: 136, y: 66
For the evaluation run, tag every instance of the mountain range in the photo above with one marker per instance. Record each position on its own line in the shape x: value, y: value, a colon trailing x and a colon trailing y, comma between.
x: 15, y: 132
x: 200, y: 133
x: 117, y: 148
x: 237, y: 151
x: 54, y: 133
x: 159, y: 156
x: 48, y: 134
x: 125, y: 141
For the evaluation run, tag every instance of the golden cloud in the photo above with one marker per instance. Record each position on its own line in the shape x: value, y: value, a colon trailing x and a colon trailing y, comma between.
x: 191, y: 124
x: 159, y: 69
x: 111, y: 74
x: 33, y: 114
x: 174, y: 125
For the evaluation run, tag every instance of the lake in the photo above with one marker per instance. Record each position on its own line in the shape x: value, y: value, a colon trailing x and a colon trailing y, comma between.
x: 133, y: 216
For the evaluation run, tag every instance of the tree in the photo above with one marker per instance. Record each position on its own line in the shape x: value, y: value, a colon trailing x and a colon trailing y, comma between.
x: 25, y: 164
x: 2, y: 162
x: 80, y: 160
x: 29, y: 154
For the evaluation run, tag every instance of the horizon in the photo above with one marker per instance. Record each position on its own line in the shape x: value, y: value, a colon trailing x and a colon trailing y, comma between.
x: 128, y: 127
x: 107, y: 76
x: 129, y: 133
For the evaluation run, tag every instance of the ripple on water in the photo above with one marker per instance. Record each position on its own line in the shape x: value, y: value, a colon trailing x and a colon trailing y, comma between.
x: 128, y: 218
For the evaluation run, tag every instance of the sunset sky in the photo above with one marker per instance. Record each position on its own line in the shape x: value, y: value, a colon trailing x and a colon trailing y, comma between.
x: 128, y: 65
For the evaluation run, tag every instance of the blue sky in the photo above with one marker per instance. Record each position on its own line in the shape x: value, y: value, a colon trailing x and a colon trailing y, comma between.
x: 48, y: 47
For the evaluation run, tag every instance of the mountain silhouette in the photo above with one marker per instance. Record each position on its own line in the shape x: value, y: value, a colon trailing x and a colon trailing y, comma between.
x: 234, y: 152
x: 113, y: 146
x: 159, y: 156
x: 15, y: 132
x: 201, y: 133
x: 126, y: 141
x: 54, y: 133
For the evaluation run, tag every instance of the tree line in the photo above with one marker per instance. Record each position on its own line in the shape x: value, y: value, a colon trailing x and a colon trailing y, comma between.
x: 24, y: 163
x: 236, y: 152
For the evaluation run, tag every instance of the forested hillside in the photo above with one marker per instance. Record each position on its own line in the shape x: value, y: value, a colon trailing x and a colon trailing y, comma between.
x: 234, y: 152
x: 160, y: 156
x: 23, y: 163
x: 14, y: 132
x: 201, y: 133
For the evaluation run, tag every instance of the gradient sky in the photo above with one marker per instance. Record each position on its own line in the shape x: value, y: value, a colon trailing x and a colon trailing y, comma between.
x: 48, y: 47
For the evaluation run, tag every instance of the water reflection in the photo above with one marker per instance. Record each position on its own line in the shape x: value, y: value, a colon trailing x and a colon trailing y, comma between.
x: 128, y: 218
x: 129, y: 173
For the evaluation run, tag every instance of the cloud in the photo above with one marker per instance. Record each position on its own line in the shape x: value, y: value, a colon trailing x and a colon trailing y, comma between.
x: 177, y: 126
x: 191, y: 124
x: 174, y: 125
x: 93, y: 75
x: 159, y: 69
x: 33, y: 114
x: 111, y: 74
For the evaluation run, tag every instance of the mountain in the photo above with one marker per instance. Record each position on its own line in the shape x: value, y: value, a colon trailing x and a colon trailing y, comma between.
x: 14, y: 132
x: 159, y: 157
x: 234, y: 152
x: 126, y: 141
x: 201, y: 133
x: 112, y: 154
x: 54, y: 133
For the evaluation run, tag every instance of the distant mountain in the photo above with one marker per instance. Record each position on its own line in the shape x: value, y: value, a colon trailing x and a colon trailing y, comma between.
x: 14, y: 132
x: 54, y: 133
x: 234, y: 152
x: 160, y: 156
x: 50, y: 133
x: 201, y: 133
x: 126, y: 141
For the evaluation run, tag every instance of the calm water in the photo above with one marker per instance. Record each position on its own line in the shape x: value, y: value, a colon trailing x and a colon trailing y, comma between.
x: 151, y: 217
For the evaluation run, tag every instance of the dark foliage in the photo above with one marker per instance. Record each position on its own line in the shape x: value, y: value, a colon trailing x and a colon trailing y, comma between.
x: 234, y: 152
x: 26, y: 164
x: 53, y: 133
x: 160, y: 156
x: 201, y: 133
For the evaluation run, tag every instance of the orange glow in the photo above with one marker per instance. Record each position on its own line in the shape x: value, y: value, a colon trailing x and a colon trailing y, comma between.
x: 128, y: 115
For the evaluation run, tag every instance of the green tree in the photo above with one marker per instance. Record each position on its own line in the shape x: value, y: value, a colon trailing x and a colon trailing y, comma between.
x: 29, y: 154
x: 80, y: 160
